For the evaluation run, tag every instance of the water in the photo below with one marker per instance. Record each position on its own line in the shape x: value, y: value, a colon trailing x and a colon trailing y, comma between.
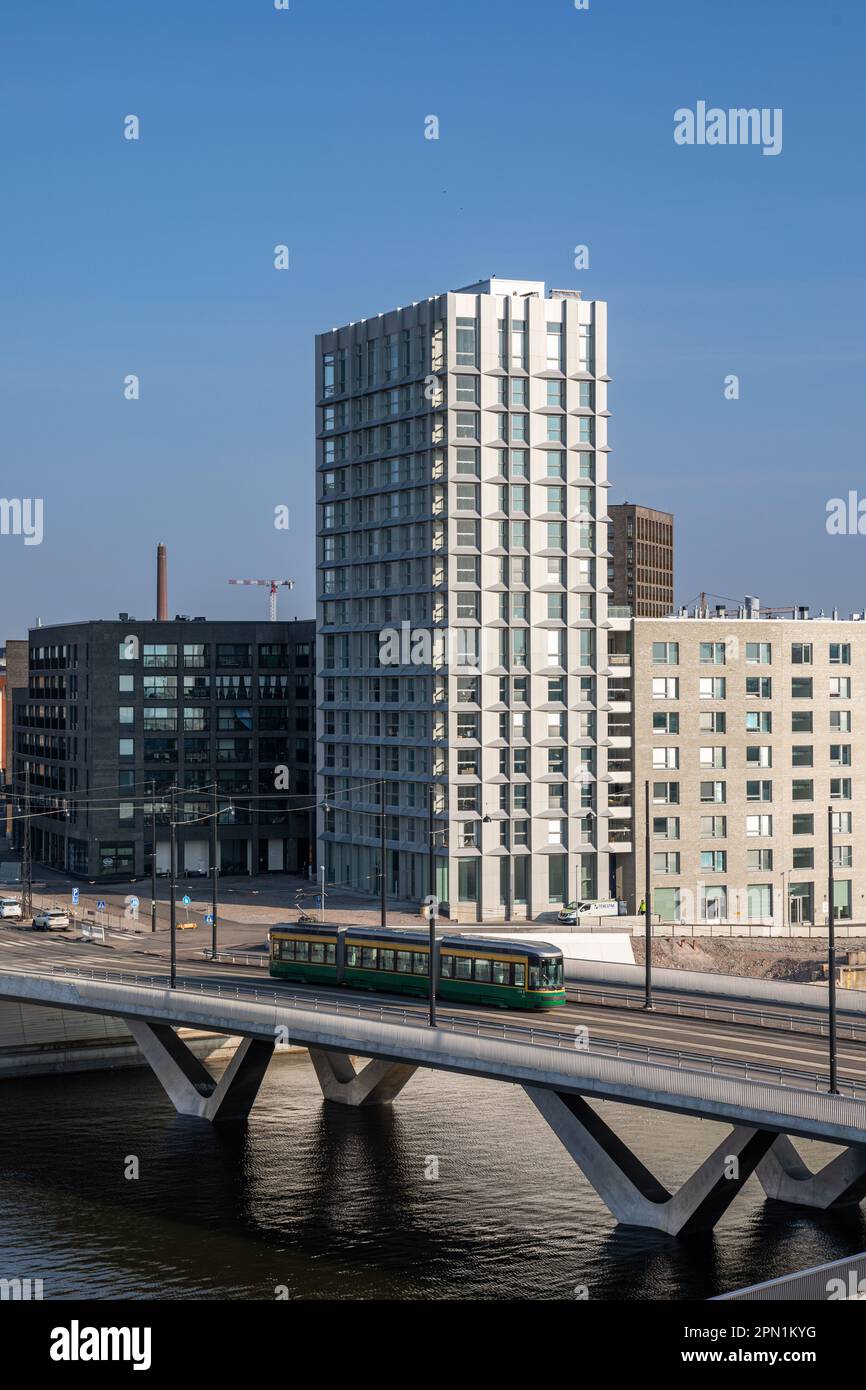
x: 328, y: 1202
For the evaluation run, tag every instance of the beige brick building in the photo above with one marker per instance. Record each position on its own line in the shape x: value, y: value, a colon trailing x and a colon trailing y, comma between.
x: 746, y: 729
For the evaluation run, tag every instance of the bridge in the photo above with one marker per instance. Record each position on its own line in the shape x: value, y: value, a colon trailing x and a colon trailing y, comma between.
x: 766, y: 1106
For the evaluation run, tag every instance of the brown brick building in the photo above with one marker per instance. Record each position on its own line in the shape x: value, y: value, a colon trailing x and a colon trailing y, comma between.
x: 641, y: 574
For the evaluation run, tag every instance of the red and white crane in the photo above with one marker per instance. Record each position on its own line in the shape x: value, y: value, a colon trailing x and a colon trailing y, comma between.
x: 273, y: 585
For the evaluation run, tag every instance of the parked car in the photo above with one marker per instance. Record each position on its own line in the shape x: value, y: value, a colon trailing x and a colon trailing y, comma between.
x: 10, y: 907
x: 571, y: 913
x: 51, y: 919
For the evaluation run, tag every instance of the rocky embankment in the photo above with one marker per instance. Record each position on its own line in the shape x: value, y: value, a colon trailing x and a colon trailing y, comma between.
x: 798, y: 961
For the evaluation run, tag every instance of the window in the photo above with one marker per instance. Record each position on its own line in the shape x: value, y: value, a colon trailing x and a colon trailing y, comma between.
x: 712, y: 721
x: 758, y: 653
x: 801, y: 755
x: 759, y: 902
x: 714, y: 827
x: 840, y: 755
x: 801, y: 721
x: 126, y: 714
x: 666, y: 827
x: 801, y: 653
x: 714, y: 903
x: 802, y: 789
x: 843, y: 856
x: 713, y: 791
x: 666, y: 688
x: 842, y: 822
x: 666, y: 793
x: 466, y: 389
x: 759, y: 859
x: 759, y: 790
x: 803, y: 824
x: 666, y: 862
x: 840, y: 687
x: 759, y: 687
x: 840, y: 720
x: 840, y: 654
x: 759, y: 721
x: 801, y: 687
x: 711, y: 757
x: 711, y: 687
x: 714, y: 861
x: 712, y: 653
x: 666, y: 757
x: 840, y: 788
x: 666, y: 653
x: 126, y: 747
x: 467, y: 424
x: 803, y: 857
x: 666, y: 723
x: 759, y: 825
x: 126, y: 684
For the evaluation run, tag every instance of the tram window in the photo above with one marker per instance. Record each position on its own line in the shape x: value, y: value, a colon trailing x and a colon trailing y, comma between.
x: 386, y: 960
x: 534, y: 977
x: 419, y: 963
x: 331, y: 955
x: 404, y: 962
x: 317, y: 952
x: 275, y: 949
x: 288, y: 950
x: 463, y: 967
x: 482, y: 971
x: 500, y: 972
x: 351, y: 955
x: 551, y: 974
x: 446, y: 967
x: 520, y: 976
x: 369, y: 957
x: 302, y: 950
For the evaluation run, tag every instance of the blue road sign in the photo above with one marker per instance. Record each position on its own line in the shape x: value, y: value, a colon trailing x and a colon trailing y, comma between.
x: 318, y: 900
x: 75, y: 897
x: 133, y: 902
x: 208, y: 917
x: 100, y: 906
x: 186, y: 899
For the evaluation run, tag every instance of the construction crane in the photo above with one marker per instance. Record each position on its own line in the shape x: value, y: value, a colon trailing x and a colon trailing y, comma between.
x: 273, y: 585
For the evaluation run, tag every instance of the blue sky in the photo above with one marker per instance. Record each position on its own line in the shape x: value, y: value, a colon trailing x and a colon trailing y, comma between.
x: 306, y: 127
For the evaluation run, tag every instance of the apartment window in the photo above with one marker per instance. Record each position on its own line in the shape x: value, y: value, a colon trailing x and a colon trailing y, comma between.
x: 126, y: 685
x: 714, y: 903
x: 842, y: 822
x: 843, y: 856
x: 840, y: 755
x: 467, y: 424
x: 803, y: 857
x: 666, y: 653
x: 840, y: 720
x: 157, y: 654
x: 761, y: 859
x: 759, y: 825
x: 711, y: 757
x: 666, y: 793
x: 714, y: 827
x: 712, y: 721
x: 553, y: 341
x: 759, y: 721
x: 666, y: 757
x: 666, y: 862
x: 126, y: 747
x: 467, y: 343
x: 759, y: 687
x: 466, y: 389
x: 666, y: 688
x: 467, y: 497
x: 666, y: 827
x: 711, y: 687
x: 466, y: 532
x: 712, y: 653
x: 714, y: 861
x: 759, y: 902
x: 801, y: 687
x: 713, y: 791
x: 840, y: 788
x: 666, y: 723
x: 840, y: 687
x: 759, y: 653
x: 467, y: 461
x: 802, y: 789
x: 801, y: 755
x: 840, y: 654
x: 801, y: 721
x: 801, y: 653
x: 757, y: 790
x: 803, y: 823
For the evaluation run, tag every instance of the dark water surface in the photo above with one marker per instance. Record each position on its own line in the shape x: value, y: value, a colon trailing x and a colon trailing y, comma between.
x: 330, y: 1202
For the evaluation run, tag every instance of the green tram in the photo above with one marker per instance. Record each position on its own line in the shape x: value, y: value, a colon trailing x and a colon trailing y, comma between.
x: 472, y: 969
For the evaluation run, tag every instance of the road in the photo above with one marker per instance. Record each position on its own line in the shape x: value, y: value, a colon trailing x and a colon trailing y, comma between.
x: 606, y: 1023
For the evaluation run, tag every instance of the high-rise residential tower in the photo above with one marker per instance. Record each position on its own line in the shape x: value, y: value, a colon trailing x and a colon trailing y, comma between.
x: 642, y: 569
x: 464, y: 641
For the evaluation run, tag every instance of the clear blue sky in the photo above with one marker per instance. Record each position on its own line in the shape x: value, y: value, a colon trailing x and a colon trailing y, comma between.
x: 306, y: 127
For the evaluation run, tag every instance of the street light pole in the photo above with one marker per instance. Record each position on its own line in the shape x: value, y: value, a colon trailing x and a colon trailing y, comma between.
x: 431, y: 889
x: 384, y: 906
x: 214, y: 863
x: 648, y: 901
x: 173, y: 887
x: 831, y: 953
x: 152, y: 855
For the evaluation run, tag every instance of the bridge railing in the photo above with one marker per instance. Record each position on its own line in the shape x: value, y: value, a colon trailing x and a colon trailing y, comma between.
x: 578, y: 1039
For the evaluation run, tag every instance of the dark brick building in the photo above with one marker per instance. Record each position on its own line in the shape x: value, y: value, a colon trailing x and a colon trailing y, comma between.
x: 642, y: 570
x: 117, y: 711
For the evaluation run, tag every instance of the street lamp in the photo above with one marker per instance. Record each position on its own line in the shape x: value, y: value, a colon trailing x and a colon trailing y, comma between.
x: 831, y: 952
x: 648, y: 900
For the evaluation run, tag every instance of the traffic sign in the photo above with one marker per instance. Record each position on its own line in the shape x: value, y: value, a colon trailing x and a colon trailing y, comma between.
x: 208, y: 918
x: 133, y: 901
x: 75, y: 897
x: 186, y: 899
x: 100, y: 906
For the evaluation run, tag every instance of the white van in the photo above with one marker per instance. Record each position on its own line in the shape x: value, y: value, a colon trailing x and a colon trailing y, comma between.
x: 572, y: 912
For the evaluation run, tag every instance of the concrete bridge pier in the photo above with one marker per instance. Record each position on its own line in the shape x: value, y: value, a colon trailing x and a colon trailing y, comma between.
x: 187, y: 1082
x: 786, y: 1178
x: 629, y: 1190
x: 376, y: 1084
